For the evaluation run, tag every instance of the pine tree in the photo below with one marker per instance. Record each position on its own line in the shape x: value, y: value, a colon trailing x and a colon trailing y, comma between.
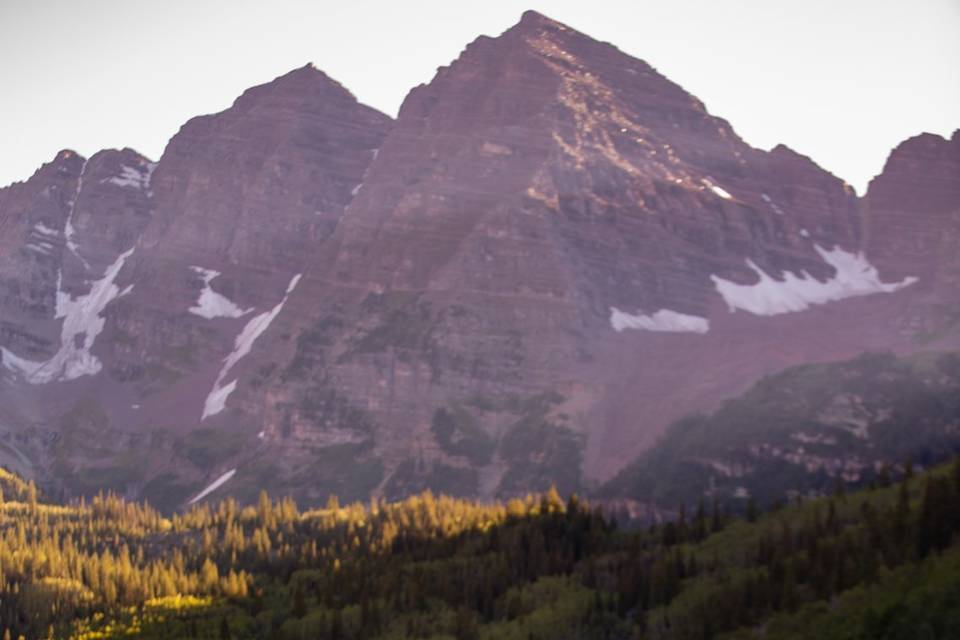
x: 700, y: 522
x: 840, y: 489
x: 32, y: 496
x: 883, y: 478
x: 209, y: 576
x: 901, y: 519
x: 751, y: 510
x: 333, y: 502
x: 265, y: 508
x: 336, y: 626
x: 833, y: 522
x: 299, y: 603
x: 466, y: 626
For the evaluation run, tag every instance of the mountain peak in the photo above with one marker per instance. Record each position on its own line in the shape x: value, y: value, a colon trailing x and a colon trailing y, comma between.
x: 65, y: 154
x: 531, y: 18
x: 304, y: 82
x: 534, y: 24
x: 308, y: 71
x: 918, y: 155
x: 66, y: 159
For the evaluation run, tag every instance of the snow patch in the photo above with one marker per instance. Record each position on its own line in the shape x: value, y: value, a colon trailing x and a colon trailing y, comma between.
x: 82, y: 323
x: 356, y: 189
x: 16, y: 364
x: 43, y: 247
x: 663, y: 320
x: 293, y: 285
x: 211, y: 304
x: 137, y: 177
x: 216, y: 484
x: 723, y: 193
x: 217, y: 398
x: 44, y: 230
x: 855, y: 276
x: 804, y: 233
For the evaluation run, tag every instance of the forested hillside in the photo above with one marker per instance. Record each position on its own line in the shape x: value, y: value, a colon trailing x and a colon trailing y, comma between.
x: 883, y: 563
x: 802, y: 431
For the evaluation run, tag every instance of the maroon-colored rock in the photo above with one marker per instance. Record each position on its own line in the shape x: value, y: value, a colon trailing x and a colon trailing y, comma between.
x: 62, y: 230
x: 912, y: 211
x: 247, y: 193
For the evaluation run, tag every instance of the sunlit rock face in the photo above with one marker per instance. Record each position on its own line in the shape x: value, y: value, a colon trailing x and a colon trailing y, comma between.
x: 550, y: 255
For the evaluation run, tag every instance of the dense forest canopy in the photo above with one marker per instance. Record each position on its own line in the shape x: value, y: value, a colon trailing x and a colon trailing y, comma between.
x: 881, y: 563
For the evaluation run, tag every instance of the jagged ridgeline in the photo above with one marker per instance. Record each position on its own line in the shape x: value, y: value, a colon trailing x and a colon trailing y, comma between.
x: 883, y: 563
x: 803, y: 431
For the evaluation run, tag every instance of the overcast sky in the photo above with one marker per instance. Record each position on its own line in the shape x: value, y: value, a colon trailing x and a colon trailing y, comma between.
x: 842, y: 81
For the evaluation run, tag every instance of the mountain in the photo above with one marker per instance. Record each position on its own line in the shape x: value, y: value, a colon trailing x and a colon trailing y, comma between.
x: 227, y: 218
x: 549, y: 256
x: 802, y: 432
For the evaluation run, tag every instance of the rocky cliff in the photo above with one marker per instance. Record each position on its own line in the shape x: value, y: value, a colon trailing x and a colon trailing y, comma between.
x: 912, y: 219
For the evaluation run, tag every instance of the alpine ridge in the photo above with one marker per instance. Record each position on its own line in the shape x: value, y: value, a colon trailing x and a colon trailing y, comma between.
x: 551, y: 254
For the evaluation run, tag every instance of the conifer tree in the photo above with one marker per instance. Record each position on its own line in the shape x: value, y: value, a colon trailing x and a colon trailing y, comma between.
x: 299, y: 603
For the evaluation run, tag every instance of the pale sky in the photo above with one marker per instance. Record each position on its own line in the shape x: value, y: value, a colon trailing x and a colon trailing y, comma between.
x: 842, y: 81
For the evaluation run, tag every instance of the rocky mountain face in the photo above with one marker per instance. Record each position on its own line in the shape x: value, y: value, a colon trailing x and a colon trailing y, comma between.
x: 550, y: 255
x: 912, y: 219
x: 61, y: 239
x: 242, y: 198
x: 226, y: 220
